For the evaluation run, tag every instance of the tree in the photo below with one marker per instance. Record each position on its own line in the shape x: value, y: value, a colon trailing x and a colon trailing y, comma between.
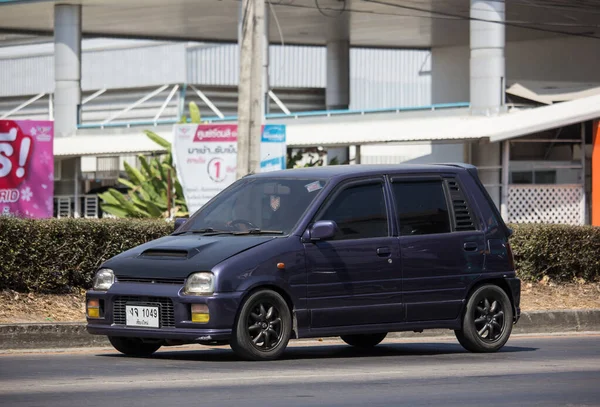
x: 315, y: 155
x: 148, y: 195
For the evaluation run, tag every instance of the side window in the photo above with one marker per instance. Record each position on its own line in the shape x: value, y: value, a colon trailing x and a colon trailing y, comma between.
x: 421, y: 207
x: 359, y: 212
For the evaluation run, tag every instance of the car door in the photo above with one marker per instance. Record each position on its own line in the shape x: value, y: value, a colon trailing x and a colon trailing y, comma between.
x: 441, y: 246
x: 355, y: 277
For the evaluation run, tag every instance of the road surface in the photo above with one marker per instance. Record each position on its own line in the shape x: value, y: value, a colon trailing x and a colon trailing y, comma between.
x: 539, y: 370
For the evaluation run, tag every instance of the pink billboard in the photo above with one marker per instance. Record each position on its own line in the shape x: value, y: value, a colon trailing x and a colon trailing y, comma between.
x: 26, y: 168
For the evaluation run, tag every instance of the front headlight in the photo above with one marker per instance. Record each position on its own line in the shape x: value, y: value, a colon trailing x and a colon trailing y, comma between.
x: 200, y: 284
x: 103, y: 280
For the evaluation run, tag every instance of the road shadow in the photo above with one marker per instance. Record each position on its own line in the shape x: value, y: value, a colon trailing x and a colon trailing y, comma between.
x: 324, y: 351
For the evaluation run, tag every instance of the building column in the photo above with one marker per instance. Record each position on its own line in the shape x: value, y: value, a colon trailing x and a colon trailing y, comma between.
x: 77, y: 188
x: 505, y: 179
x: 596, y: 175
x: 337, y: 92
x: 67, y: 68
x: 337, y: 88
x: 487, y: 65
x: 487, y: 157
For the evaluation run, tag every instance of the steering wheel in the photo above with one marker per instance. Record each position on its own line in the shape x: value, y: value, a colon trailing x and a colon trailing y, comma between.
x: 248, y: 224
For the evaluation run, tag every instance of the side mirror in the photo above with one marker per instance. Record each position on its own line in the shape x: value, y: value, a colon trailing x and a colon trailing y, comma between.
x: 179, y: 222
x: 322, y: 230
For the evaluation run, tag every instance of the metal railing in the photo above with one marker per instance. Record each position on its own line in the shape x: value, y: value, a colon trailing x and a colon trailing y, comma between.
x: 298, y: 115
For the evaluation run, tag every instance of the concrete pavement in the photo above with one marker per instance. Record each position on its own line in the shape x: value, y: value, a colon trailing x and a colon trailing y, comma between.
x: 530, y: 370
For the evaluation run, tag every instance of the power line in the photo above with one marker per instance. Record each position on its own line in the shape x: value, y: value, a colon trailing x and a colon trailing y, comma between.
x: 339, y: 12
x: 440, y: 15
x: 469, y: 18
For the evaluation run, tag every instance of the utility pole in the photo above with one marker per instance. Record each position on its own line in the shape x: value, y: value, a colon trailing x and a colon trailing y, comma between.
x: 250, y: 88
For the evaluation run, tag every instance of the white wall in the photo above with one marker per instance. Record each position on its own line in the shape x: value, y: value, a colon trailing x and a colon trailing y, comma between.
x: 565, y: 59
x: 418, y: 153
x: 450, y: 75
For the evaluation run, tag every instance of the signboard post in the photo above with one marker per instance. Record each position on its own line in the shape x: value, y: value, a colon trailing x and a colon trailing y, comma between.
x: 206, y: 158
x: 26, y: 168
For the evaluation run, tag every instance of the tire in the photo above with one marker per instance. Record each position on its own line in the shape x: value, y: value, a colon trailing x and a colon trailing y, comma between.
x: 487, y: 321
x: 263, y: 327
x: 133, y: 346
x: 364, y: 341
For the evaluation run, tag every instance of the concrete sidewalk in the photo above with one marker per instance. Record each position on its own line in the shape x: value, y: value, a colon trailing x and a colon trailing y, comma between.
x: 74, y: 335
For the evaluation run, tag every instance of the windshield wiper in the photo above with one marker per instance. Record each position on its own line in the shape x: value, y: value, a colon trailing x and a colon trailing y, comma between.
x: 259, y: 232
x: 207, y: 231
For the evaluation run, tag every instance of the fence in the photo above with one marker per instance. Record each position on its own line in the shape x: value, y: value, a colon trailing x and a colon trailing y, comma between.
x: 546, y: 204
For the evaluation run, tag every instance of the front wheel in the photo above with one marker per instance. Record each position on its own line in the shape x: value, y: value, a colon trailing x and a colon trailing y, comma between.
x: 364, y: 340
x: 133, y: 346
x: 263, y: 327
x: 487, y: 322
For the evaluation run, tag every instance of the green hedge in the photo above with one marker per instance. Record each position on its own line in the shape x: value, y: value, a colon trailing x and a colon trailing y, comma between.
x: 60, y: 255
x: 563, y: 253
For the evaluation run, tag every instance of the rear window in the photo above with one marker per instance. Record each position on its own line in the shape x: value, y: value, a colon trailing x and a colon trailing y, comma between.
x: 421, y: 207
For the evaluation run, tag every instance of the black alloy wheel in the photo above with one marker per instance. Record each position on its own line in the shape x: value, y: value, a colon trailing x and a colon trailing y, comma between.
x: 488, y: 319
x: 263, y: 327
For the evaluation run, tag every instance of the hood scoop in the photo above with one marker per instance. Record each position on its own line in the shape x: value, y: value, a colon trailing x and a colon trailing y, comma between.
x: 165, y: 253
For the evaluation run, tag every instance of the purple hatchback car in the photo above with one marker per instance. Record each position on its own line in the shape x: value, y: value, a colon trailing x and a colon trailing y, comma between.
x: 351, y: 251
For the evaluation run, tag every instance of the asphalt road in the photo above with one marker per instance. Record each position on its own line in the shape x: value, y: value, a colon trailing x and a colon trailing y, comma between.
x: 542, y: 371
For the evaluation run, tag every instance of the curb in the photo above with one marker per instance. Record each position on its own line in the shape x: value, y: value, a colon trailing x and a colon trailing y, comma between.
x: 74, y: 335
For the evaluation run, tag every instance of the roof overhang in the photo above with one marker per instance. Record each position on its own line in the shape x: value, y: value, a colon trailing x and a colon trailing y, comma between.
x: 378, y: 23
x: 529, y: 121
x: 552, y: 92
x: 108, y: 144
x: 455, y: 126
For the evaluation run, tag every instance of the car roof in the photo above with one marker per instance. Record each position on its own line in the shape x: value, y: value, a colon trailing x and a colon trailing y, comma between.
x: 351, y: 171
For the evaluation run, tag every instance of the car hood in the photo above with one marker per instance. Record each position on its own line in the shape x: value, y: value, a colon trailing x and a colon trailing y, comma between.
x: 175, y: 257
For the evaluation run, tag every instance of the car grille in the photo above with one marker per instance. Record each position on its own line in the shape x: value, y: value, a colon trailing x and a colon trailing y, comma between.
x: 125, y: 279
x: 165, y: 307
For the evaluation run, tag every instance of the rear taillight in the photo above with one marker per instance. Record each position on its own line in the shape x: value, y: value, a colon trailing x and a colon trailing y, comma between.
x: 509, y: 254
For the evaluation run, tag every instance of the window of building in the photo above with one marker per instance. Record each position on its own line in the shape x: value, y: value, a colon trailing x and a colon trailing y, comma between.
x: 533, y: 177
x: 422, y: 208
x: 359, y: 212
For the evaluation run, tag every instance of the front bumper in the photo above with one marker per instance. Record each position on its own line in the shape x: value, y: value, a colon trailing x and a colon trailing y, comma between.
x: 175, y: 322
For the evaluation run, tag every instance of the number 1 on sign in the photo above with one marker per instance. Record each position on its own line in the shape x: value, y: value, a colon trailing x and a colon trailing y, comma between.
x: 215, y: 170
x: 218, y: 169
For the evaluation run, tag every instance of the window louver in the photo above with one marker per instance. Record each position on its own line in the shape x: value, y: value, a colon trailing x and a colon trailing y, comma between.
x: 463, y: 217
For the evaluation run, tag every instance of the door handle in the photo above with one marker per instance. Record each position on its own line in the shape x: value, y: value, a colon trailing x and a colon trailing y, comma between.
x: 383, y: 251
x: 470, y: 246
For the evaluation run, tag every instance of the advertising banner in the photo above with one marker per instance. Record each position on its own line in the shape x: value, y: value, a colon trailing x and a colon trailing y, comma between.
x: 273, y: 150
x: 26, y: 168
x: 206, y: 158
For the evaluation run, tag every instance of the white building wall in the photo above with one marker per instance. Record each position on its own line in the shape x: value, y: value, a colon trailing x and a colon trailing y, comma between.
x: 409, y: 153
x: 380, y: 78
x: 565, y: 59
x: 450, y: 75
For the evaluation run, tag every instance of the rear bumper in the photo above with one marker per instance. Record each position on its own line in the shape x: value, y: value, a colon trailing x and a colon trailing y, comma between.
x: 515, y: 290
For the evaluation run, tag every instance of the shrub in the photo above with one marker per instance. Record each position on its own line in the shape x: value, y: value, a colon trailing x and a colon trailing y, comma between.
x: 61, y: 255
x: 560, y: 252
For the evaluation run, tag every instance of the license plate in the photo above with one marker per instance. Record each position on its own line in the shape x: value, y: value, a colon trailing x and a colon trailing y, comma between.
x: 136, y: 315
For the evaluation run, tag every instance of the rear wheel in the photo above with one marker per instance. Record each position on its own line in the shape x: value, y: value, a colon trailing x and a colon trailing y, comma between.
x: 487, y: 322
x: 133, y: 346
x: 364, y: 340
x: 263, y: 327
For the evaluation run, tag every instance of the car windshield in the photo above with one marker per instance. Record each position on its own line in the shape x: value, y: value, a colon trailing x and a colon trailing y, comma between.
x: 256, y: 205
